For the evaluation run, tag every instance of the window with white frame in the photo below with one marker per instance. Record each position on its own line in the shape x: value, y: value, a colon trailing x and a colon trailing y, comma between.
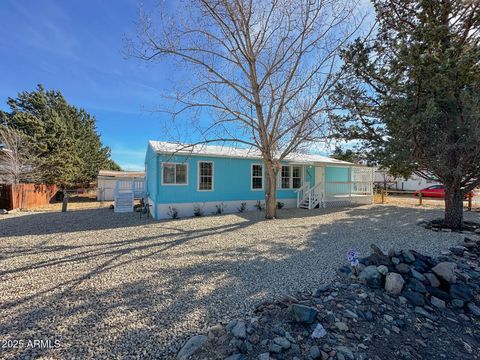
x: 291, y: 177
x: 257, y: 177
x: 205, y: 175
x: 285, y: 180
x: 296, y: 177
x: 174, y: 174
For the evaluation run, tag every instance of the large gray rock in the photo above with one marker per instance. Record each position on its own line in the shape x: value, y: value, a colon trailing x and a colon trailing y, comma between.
x: 240, y: 330
x: 446, y: 271
x: 432, y: 279
x: 417, y: 275
x: 346, y: 352
x: 371, y: 277
x: 193, y: 344
x: 474, y: 309
x: 382, y: 269
x: 394, y: 283
x: 284, y: 343
x: 403, y: 268
x: 461, y: 291
x: 303, y: 313
x: 439, y: 303
x: 408, y: 256
x: 314, y: 352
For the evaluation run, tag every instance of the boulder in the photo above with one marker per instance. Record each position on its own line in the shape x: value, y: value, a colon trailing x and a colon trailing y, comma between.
x: 318, y: 332
x: 371, y: 277
x: 474, y: 309
x: 437, y: 302
x: 461, y: 292
x: 432, y: 279
x: 240, y: 330
x: 193, y: 344
x: 446, y: 271
x: 413, y: 297
x: 408, y: 256
x: 382, y: 269
x: 416, y: 286
x: 314, y: 352
x: 394, y: 283
x: 421, y: 266
x: 345, y: 271
x: 438, y: 293
x: 457, y: 304
x: 303, y: 313
x: 346, y: 352
x: 403, y: 268
x: 284, y: 343
x: 417, y: 275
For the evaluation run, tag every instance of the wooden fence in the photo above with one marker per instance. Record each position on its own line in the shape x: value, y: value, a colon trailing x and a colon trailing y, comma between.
x: 26, y: 196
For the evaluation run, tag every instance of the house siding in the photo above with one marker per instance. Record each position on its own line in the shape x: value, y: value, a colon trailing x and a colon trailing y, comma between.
x: 231, y: 177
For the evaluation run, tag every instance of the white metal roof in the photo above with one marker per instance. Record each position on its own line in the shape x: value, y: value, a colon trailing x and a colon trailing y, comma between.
x: 232, y: 152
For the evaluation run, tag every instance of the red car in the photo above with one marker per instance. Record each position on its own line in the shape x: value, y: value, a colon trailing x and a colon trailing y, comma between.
x: 437, y: 191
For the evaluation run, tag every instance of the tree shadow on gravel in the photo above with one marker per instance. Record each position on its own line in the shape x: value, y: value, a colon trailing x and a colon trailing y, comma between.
x: 126, y: 302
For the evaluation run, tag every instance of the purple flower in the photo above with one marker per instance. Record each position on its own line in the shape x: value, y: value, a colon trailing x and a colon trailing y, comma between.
x: 352, y: 257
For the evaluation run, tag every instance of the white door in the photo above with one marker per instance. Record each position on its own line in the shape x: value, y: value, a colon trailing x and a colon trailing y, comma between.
x: 319, y: 175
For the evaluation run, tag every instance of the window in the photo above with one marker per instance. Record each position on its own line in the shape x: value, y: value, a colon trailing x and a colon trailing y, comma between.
x: 291, y: 177
x: 296, y: 177
x: 205, y: 175
x: 257, y: 177
x: 174, y: 174
x: 285, y: 182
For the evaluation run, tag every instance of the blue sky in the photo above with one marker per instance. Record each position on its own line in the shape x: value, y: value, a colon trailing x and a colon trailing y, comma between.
x: 77, y: 47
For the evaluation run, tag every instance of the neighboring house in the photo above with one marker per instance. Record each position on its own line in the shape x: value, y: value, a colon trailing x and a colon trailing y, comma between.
x: 204, y: 176
x: 413, y: 183
x: 108, y: 179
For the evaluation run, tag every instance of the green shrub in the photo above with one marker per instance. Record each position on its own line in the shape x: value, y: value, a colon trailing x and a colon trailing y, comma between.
x: 173, y: 212
x: 243, y: 207
x: 220, y: 209
x: 197, y: 211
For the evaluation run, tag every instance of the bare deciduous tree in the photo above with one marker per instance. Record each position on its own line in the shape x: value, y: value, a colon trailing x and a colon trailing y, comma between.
x: 261, y: 70
x: 16, y: 161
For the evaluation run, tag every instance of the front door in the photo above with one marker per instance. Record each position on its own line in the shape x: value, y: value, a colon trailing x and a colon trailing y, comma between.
x: 319, y: 175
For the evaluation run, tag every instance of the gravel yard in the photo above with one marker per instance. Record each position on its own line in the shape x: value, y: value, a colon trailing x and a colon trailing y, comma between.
x: 108, y: 285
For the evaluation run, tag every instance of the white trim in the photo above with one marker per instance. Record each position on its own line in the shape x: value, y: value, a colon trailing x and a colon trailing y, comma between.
x: 251, y: 176
x: 175, y: 163
x: 198, y: 175
x: 290, y: 180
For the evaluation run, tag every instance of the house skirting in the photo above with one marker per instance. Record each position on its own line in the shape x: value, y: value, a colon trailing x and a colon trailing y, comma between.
x: 345, y: 200
x: 162, y: 211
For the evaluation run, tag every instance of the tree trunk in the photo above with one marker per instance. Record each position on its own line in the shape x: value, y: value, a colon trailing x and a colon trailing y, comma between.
x: 453, y: 207
x: 271, y: 192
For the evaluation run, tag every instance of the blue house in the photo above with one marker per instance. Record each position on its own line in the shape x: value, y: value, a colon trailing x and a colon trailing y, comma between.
x: 183, y: 178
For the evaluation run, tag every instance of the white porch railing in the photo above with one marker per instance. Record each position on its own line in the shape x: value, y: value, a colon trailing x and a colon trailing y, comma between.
x: 301, y: 193
x: 309, y: 197
x: 333, y: 188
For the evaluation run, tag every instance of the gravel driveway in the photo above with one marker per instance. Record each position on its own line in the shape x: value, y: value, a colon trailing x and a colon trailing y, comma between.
x: 107, y: 285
